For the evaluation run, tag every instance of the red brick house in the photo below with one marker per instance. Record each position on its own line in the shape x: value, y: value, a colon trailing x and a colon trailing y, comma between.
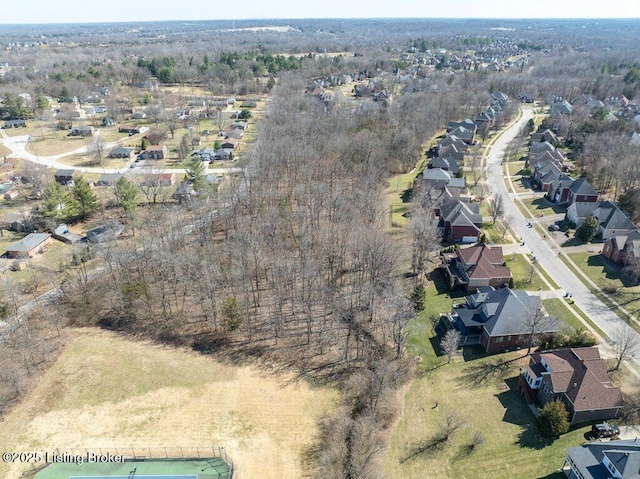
x: 460, y: 222
x: 576, y: 376
x: 621, y: 248
x: 477, y: 266
x: 581, y: 191
x: 497, y: 319
x: 29, y: 246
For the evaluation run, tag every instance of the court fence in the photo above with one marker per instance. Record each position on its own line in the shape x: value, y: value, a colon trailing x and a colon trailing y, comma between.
x: 142, y: 453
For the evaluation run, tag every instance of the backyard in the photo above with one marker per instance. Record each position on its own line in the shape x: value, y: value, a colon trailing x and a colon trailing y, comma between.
x: 478, y: 393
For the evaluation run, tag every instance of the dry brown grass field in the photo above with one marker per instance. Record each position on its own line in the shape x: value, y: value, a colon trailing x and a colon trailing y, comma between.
x: 107, y: 390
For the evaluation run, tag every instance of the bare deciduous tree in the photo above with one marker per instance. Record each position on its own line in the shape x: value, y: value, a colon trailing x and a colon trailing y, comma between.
x: 449, y: 343
x: 496, y: 207
x: 537, y: 323
x: 626, y: 344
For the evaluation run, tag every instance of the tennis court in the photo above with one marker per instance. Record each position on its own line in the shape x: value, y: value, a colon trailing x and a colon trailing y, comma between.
x: 203, y: 468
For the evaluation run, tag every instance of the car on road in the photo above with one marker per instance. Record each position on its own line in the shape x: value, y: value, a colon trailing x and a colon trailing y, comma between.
x: 605, y: 430
x: 134, y: 165
x: 554, y: 227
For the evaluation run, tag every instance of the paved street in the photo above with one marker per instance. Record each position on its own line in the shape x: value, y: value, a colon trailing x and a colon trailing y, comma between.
x: 546, y: 255
x: 18, y: 144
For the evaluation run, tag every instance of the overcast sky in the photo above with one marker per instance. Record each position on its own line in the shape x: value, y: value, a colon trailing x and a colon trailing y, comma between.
x: 76, y: 11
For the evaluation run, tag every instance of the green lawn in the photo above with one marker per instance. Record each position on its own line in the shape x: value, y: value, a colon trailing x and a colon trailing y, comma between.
x: 398, y: 194
x: 521, y: 271
x: 540, y: 206
x: 496, y: 232
x: 515, y: 167
x: 604, y: 273
x: 482, y: 394
x: 558, y: 308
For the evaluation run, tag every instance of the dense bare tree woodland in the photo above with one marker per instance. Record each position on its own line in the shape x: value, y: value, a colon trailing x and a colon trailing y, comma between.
x: 292, y: 264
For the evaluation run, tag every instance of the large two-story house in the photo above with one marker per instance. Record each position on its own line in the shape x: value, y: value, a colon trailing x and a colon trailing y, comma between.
x: 478, y: 265
x: 576, y: 376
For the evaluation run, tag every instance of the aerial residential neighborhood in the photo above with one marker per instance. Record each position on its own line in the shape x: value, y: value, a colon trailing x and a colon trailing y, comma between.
x: 319, y: 247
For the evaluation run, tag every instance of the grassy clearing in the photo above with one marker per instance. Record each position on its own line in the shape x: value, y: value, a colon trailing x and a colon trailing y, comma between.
x: 483, y: 393
x: 106, y: 390
x: 521, y: 272
x: 540, y: 206
x: 55, y: 146
x: 543, y: 273
x: 398, y: 194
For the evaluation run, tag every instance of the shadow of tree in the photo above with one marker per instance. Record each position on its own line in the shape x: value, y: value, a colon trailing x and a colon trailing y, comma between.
x: 483, y: 372
x: 427, y: 449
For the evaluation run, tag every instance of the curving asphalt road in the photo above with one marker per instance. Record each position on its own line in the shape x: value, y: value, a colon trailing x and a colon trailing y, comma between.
x: 546, y: 255
x: 18, y: 146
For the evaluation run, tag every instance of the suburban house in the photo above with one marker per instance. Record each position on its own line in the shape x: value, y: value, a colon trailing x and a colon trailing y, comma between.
x: 578, y: 212
x: 108, y: 179
x: 82, y: 131
x: 612, y: 221
x: 576, y: 376
x: 106, y: 232
x: 465, y: 134
x: 29, y: 246
x: 449, y: 140
x: 108, y: 122
x: 66, y: 177
x: 156, y: 152
x: 500, y: 319
x: 446, y: 164
x: 557, y: 187
x: 581, y: 191
x: 62, y: 233
x: 132, y: 129
x: 122, y: 152
x: 230, y: 143
x: 439, y: 179
x: 467, y: 123
x: 603, y: 460
x: 15, y: 221
x: 460, y: 222
x: 477, y: 266
x: 14, y: 124
x: 544, y: 136
x: 561, y: 107
x: 452, y: 151
x: 526, y: 97
x: 622, y: 248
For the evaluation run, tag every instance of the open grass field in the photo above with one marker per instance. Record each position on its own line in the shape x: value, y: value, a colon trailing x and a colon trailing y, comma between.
x: 558, y: 308
x: 108, y: 391
x: 55, y: 146
x: 4, y: 151
x: 515, y: 167
x: 482, y: 391
x: 84, y: 160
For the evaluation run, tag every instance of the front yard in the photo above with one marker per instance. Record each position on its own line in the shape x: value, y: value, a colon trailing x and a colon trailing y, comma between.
x: 522, y: 274
x: 543, y: 207
x: 605, y: 274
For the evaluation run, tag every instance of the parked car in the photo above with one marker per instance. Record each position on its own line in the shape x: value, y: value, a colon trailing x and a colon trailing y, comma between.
x: 554, y: 227
x: 605, y: 430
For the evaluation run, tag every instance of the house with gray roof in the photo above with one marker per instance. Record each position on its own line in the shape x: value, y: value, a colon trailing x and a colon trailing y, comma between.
x: 29, y: 246
x: 497, y: 319
x: 459, y: 221
x: 561, y: 107
x: 465, y: 134
x: 581, y: 191
x: 578, y: 212
x: 604, y: 460
x: 612, y: 220
x: 122, y: 152
x: 447, y: 164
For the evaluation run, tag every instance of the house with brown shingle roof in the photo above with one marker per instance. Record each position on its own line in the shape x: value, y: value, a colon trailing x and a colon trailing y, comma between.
x: 478, y: 265
x: 576, y: 376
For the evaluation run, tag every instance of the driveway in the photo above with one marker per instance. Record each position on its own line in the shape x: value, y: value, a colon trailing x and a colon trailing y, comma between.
x: 547, y: 255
